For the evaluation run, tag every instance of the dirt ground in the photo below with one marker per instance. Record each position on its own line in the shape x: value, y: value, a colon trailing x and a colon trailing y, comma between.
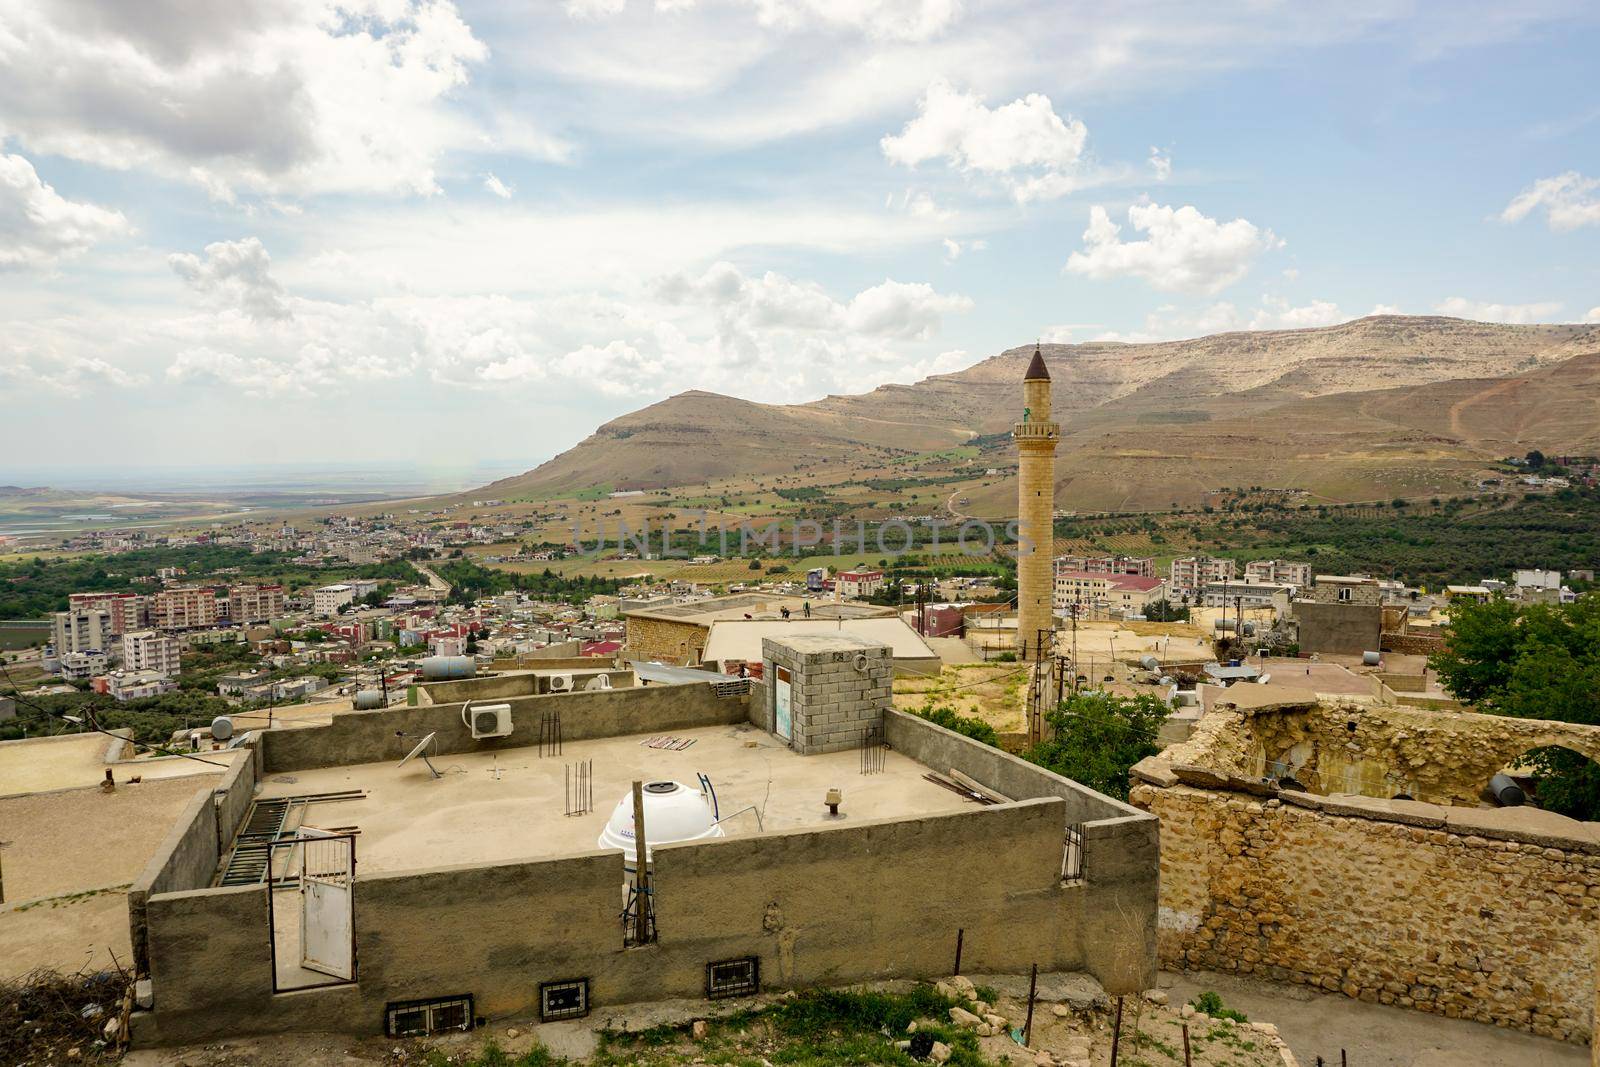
x: 1374, y: 1035
x: 988, y: 691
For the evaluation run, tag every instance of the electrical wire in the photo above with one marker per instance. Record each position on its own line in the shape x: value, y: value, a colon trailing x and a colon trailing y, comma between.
x: 89, y: 720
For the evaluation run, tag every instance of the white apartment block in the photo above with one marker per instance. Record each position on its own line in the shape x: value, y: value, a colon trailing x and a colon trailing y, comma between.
x: 856, y: 584
x: 82, y: 666
x: 1280, y: 572
x: 82, y: 630
x: 328, y: 599
x: 1085, y: 593
x: 183, y: 608
x: 1247, y: 593
x: 255, y: 603
x: 151, y: 650
x: 1190, y: 573
x: 123, y: 686
x: 129, y: 611
x: 1139, y: 566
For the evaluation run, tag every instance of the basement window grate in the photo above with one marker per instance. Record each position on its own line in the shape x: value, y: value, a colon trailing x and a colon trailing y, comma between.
x: 418, y: 1018
x: 563, y: 1000
x: 733, y: 978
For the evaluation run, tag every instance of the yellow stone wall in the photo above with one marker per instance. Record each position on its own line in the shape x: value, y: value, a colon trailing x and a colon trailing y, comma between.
x: 1497, y: 931
x: 676, y: 643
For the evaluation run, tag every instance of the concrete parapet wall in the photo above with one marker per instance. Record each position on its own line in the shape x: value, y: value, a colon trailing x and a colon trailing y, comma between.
x: 852, y: 902
x: 185, y: 860
x: 369, y: 736
x: 505, y: 686
x: 1389, y: 902
x: 1121, y: 845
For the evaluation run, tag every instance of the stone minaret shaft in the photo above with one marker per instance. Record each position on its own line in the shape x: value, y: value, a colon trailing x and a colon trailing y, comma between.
x: 1036, y: 437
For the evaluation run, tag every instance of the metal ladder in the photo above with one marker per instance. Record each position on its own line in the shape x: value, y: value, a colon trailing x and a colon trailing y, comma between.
x: 251, y: 858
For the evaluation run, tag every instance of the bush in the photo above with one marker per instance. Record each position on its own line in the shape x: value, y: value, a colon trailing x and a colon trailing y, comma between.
x: 976, y: 729
x: 1209, y: 1003
x: 1099, y: 737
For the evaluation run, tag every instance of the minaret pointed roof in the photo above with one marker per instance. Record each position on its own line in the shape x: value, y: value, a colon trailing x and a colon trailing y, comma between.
x: 1037, y: 371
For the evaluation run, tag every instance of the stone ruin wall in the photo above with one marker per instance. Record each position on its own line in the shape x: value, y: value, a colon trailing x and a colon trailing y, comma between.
x: 1443, y: 909
x: 1442, y: 757
x: 1418, y: 916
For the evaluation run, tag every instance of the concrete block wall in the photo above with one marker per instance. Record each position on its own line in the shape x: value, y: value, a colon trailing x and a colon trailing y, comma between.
x: 840, y: 686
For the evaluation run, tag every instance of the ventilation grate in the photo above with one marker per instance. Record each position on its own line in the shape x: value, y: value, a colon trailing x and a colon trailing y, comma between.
x: 418, y: 1018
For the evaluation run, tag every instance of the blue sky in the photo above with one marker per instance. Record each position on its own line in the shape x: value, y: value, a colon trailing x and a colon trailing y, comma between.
x: 417, y: 230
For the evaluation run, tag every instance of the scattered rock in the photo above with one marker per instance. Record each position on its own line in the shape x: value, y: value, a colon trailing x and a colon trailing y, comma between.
x: 514, y: 1032
x: 74, y: 1052
x: 963, y: 1017
x: 998, y: 1022
x: 144, y: 994
x: 1188, y: 1011
x: 1044, y: 1059
x: 1060, y: 1011
x: 1156, y: 997
x: 699, y: 1029
x: 940, y: 1052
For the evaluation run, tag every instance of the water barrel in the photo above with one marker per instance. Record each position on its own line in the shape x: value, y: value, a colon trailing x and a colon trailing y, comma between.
x: 1505, y: 792
x: 369, y: 700
x: 439, y: 668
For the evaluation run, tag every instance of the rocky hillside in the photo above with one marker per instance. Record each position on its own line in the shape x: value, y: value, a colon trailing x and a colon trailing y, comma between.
x: 1424, y: 389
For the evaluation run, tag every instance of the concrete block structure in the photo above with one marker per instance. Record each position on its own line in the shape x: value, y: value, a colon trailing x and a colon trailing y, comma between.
x: 828, y: 690
x: 477, y: 885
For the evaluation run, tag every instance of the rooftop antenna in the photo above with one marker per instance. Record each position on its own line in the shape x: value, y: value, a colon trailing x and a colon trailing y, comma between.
x: 420, y: 751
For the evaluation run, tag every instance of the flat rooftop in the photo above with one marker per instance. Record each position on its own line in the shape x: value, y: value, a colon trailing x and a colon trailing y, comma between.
x: 509, y: 805
x: 756, y: 605
x: 70, y: 761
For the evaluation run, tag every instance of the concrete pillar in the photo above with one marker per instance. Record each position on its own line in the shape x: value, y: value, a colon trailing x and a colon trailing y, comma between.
x: 1036, y: 436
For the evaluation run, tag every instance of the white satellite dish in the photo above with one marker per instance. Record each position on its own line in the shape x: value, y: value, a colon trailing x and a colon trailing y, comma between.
x: 599, y: 681
x: 420, y: 751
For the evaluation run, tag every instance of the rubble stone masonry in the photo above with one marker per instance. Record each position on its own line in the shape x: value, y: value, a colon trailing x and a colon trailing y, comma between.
x: 1392, y: 907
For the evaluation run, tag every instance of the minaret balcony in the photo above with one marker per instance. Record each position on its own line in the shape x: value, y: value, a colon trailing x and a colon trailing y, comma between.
x: 1036, y: 431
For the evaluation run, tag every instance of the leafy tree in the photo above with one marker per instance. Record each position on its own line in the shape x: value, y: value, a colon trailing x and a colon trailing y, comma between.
x: 1535, y: 661
x: 1536, y: 459
x: 1099, y: 737
x: 1166, y: 611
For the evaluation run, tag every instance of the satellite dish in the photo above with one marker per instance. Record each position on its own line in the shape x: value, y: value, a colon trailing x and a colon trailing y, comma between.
x: 221, y: 728
x: 599, y: 681
x: 420, y: 751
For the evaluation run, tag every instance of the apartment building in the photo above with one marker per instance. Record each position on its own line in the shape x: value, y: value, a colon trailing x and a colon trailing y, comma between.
x: 125, y: 685
x: 328, y: 599
x: 183, y: 608
x: 252, y: 603
x: 857, y: 584
x: 1138, y: 566
x: 1190, y: 573
x: 1248, y: 592
x: 1086, y: 594
x: 1279, y: 572
x: 82, y: 630
x: 151, y: 650
x: 128, y: 611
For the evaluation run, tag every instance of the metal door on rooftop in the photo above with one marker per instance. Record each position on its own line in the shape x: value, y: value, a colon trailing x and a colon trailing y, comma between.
x: 782, y: 724
x: 327, y: 902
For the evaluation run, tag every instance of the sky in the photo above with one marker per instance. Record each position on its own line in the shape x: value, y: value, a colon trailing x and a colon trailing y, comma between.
x: 423, y: 231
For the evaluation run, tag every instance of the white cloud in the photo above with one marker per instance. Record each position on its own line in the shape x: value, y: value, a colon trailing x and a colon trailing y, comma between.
x: 497, y: 187
x: 1569, y: 200
x: 1025, y: 144
x: 593, y: 9
x: 1277, y: 314
x: 953, y: 249
x: 1062, y: 333
x: 38, y: 225
x: 1160, y: 163
x: 235, y: 274
x: 1183, y: 249
x: 278, y: 97
x: 1169, y: 322
x: 1462, y: 308
x: 65, y: 375
x: 1592, y: 315
x: 1385, y: 309
x: 898, y: 20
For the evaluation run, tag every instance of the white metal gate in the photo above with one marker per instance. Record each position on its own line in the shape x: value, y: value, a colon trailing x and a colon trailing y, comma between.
x: 327, y: 902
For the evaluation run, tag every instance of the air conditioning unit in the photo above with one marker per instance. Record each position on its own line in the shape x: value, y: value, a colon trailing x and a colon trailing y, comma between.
x: 491, y: 720
x: 561, y: 683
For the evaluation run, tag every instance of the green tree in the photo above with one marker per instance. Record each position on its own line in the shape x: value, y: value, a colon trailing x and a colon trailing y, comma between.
x: 1535, y: 661
x: 1098, y: 738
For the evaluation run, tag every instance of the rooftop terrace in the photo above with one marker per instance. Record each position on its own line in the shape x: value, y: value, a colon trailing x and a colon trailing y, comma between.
x: 509, y: 804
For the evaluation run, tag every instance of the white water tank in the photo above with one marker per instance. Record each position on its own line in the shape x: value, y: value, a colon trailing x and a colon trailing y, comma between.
x: 672, y: 812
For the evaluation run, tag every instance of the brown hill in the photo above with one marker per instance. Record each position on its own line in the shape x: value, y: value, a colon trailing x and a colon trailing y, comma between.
x: 1381, y: 403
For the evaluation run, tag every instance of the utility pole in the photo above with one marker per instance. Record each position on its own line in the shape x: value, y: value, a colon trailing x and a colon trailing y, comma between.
x: 641, y: 878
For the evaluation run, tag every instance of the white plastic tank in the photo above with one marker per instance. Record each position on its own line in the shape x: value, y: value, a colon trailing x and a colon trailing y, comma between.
x: 672, y: 812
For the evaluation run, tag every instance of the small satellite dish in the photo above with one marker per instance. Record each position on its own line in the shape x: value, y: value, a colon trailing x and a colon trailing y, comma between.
x: 420, y: 750
x: 599, y: 681
x: 221, y: 728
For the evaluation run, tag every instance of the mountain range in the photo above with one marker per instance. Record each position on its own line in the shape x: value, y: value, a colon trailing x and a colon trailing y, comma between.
x: 1385, y: 405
